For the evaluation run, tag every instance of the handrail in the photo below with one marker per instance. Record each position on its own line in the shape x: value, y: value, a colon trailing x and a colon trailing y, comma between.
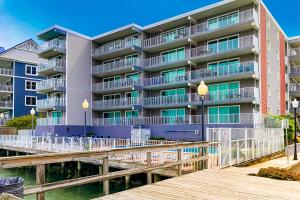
x: 121, y: 83
x: 60, y: 43
x: 116, y: 65
x: 120, y: 102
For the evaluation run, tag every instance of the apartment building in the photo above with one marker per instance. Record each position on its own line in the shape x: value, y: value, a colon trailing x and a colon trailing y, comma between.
x: 147, y: 77
x: 18, y: 79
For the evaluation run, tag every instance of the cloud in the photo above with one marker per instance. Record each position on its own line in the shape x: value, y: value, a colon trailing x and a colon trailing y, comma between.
x: 13, y: 31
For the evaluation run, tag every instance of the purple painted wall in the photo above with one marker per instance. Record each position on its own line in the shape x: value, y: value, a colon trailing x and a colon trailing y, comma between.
x: 169, y: 132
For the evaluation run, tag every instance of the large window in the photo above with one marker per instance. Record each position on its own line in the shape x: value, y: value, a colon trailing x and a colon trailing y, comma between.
x: 132, y: 59
x: 30, y: 101
x: 111, y: 96
x: 223, y: 21
x: 112, y: 117
x: 134, y: 76
x: 224, y: 67
x: 179, y: 91
x: 173, y: 75
x: 173, y: 116
x: 173, y: 55
x: 173, y: 34
x: 223, y: 91
x: 223, y: 44
x: 115, y: 78
x: 30, y: 85
x: 224, y: 115
x: 30, y: 70
x: 132, y: 113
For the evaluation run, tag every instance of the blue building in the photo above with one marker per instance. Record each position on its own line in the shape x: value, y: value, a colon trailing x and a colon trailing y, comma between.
x: 18, y: 79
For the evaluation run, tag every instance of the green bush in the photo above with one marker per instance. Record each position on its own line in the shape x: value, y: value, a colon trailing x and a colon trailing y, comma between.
x: 23, y: 122
x: 277, y: 173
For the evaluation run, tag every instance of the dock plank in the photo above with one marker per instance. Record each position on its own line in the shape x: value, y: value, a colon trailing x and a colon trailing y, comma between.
x: 213, y: 184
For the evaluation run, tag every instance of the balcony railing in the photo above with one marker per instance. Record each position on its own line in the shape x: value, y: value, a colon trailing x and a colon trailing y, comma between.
x: 50, y: 103
x: 202, y: 51
x: 295, y: 69
x: 113, y: 103
x: 244, y: 16
x: 239, y: 94
x: 50, y: 83
x: 241, y: 118
x: 56, y: 63
x: 54, y: 43
x: 6, y: 104
x: 160, y: 39
x: 118, y: 84
x: 165, y: 80
x: 115, y: 66
x: 6, y: 71
x: 6, y: 88
x: 50, y: 121
x: 295, y: 52
x: 295, y: 87
x: 117, y: 45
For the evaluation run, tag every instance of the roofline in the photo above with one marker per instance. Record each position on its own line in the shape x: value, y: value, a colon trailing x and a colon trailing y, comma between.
x: 66, y: 30
x: 297, y: 37
x: 6, y: 50
x: 117, y: 30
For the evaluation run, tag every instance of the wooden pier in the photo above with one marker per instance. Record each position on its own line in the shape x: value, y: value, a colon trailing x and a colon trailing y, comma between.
x: 226, y: 184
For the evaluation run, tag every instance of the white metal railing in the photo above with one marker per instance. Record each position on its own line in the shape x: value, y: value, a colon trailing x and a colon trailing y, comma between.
x: 294, y: 87
x: 50, y: 103
x: 54, y: 43
x: 50, y: 83
x: 295, y: 51
x: 241, y: 118
x: 161, y: 39
x: 116, y: 65
x: 112, y: 103
x: 117, y: 45
x: 233, y: 146
x: 50, y: 121
x: 6, y: 71
x: 167, y: 100
x: 164, y: 80
x: 117, y: 84
x: 295, y: 69
x: 244, y: 16
x: 6, y: 88
x: 5, y: 104
x: 59, y: 63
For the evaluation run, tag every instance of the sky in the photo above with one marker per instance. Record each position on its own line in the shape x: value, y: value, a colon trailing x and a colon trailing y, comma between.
x: 24, y: 19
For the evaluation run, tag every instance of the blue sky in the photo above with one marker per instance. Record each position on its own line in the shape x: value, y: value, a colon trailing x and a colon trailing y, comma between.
x: 23, y: 19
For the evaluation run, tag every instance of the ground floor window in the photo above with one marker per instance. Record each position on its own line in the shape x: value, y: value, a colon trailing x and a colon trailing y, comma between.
x: 224, y: 114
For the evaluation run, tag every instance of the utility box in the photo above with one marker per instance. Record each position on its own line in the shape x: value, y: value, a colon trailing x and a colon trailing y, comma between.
x: 138, y: 133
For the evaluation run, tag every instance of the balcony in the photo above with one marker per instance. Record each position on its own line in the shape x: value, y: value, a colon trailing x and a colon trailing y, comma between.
x: 50, y: 121
x: 295, y: 89
x: 219, y: 74
x: 6, y: 105
x: 52, y: 48
x: 51, y: 85
x: 295, y: 71
x: 52, y: 67
x: 242, y: 119
x: 132, y: 103
x: 161, y: 43
x: 117, y: 67
x: 247, y: 19
x: 118, y: 48
x: 126, y: 84
x: 295, y: 54
x: 51, y: 104
x: 232, y: 96
x: 4, y: 89
x: 246, y: 45
x: 6, y: 72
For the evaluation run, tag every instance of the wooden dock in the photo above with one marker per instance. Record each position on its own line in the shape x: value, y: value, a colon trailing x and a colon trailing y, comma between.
x: 224, y: 184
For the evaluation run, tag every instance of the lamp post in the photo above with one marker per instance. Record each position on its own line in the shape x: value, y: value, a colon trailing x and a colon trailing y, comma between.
x: 295, y: 105
x: 202, y: 91
x: 85, y: 106
x: 32, y: 113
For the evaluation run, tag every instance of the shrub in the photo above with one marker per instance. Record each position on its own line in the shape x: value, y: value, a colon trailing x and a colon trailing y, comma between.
x: 277, y: 173
x: 23, y: 122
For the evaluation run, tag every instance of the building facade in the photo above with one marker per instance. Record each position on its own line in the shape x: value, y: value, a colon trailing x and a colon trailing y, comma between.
x: 147, y: 77
x: 19, y: 78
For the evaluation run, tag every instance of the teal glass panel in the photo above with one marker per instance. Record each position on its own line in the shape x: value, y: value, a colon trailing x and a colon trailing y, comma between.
x: 223, y: 45
x: 213, y: 115
x: 213, y: 47
x: 233, y: 43
x: 212, y: 24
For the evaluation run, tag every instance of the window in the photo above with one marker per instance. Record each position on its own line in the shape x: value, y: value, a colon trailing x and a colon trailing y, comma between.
x: 173, y: 55
x: 131, y: 113
x: 175, y: 75
x: 173, y: 34
x: 30, y: 101
x: 115, y: 78
x: 223, y: 21
x: 173, y: 116
x: 132, y: 59
x: 224, y: 67
x: 179, y: 91
x: 112, y: 117
x: 30, y: 70
x: 111, y: 96
x: 223, y: 44
x: 30, y: 85
x: 224, y: 114
x: 224, y: 91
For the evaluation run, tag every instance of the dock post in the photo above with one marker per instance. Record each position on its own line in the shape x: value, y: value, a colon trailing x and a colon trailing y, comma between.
x: 127, y: 182
x: 62, y: 168
x: 179, y: 159
x: 105, y: 171
x: 101, y: 169
x: 40, y: 179
x: 205, y: 162
x: 7, y: 153
x: 17, y: 153
x: 149, y: 174
x: 78, y: 168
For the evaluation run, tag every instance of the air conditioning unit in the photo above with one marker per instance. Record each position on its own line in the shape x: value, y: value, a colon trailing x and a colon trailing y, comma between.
x: 138, y: 133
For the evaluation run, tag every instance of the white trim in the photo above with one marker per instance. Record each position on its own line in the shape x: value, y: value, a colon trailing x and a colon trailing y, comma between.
x: 31, y: 66
x: 30, y: 97
x: 26, y: 81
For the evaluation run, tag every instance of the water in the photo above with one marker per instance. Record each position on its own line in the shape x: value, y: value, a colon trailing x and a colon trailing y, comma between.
x: 84, y: 192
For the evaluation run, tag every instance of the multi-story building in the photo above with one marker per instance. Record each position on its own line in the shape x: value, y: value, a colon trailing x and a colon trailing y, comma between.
x: 147, y: 76
x: 19, y: 79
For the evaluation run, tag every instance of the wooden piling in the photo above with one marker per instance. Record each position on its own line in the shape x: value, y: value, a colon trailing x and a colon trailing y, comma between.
x: 149, y: 174
x: 127, y: 182
x: 105, y: 171
x: 40, y: 179
x: 179, y: 167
